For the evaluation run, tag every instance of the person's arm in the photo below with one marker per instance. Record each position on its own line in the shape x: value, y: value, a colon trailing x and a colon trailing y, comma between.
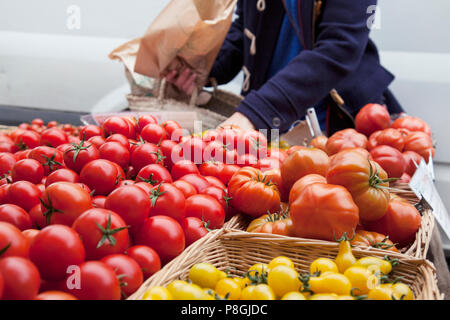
x: 342, y: 38
x: 230, y: 59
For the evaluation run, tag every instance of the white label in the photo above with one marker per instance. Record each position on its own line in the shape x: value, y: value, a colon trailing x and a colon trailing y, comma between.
x: 423, y: 186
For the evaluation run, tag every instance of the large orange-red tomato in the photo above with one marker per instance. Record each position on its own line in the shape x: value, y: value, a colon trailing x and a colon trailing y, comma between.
x: 411, y: 157
x: 302, y: 162
x: 420, y: 143
x: 390, y: 159
x: 400, y: 223
x: 253, y: 193
x: 63, y: 202
x: 366, y: 181
x: 319, y: 142
x: 389, y: 137
x: 323, y: 211
x: 274, y: 175
x: 365, y: 238
x: 345, y: 139
x: 302, y: 183
x: 372, y: 117
x: 412, y: 124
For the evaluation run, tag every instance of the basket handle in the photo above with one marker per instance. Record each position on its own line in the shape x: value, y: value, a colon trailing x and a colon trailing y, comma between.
x: 162, y: 90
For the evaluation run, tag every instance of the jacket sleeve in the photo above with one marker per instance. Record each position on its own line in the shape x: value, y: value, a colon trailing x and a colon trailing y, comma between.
x: 342, y: 38
x: 230, y: 59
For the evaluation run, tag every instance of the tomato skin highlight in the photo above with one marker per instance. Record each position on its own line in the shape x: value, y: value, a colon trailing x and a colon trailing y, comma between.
x: 15, y: 215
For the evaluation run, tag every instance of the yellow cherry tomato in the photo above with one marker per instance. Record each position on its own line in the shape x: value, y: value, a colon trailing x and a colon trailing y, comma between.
x: 247, y: 293
x: 262, y: 292
x: 330, y: 282
x: 157, y: 293
x: 280, y: 260
x: 188, y: 291
x: 227, y: 287
x: 324, y: 296
x: 293, y: 295
x: 222, y: 274
x: 260, y: 268
x: 402, y: 291
x: 362, y: 279
x: 345, y: 257
x: 205, y: 275
x: 381, y: 292
x: 210, y: 294
x: 283, y: 279
x: 375, y: 264
x: 322, y: 265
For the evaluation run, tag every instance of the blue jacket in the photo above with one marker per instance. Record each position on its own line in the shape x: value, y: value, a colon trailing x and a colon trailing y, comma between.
x: 338, y: 54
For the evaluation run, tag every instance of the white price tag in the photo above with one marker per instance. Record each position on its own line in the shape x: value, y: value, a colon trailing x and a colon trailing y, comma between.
x: 423, y: 186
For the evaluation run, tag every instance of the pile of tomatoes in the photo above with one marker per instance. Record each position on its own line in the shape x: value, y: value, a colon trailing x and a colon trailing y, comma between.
x: 341, y: 278
x: 90, y: 212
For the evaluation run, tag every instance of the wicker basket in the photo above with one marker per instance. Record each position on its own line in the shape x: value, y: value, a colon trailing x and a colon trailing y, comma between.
x: 237, y: 251
x: 418, y: 249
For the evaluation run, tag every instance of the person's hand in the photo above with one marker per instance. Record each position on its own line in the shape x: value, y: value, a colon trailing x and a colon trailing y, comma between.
x: 184, y: 81
x: 239, y: 120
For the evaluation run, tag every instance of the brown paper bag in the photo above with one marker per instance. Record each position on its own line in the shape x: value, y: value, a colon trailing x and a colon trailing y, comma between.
x: 187, y: 33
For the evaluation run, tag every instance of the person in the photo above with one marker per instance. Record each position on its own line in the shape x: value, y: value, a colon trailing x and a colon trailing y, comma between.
x: 295, y: 54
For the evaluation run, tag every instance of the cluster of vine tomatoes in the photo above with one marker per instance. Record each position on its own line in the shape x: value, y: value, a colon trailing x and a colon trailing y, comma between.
x: 105, y: 206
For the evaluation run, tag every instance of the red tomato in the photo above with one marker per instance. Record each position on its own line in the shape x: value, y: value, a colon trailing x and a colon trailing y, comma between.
x: 131, y: 203
x: 213, y: 181
x: 420, y: 143
x: 6, y: 146
x: 63, y: 202
x: 30, y: 234
x: 126, y: 182
x: 252, y: 142
x: 115, y: 152
x: 390, y: 159
x: 345, y: 139
x: 97, y: 281
x: 323, y: 211
x: 167, y: 200
x: 194, y: 229
x: 128, y: 269
x: 147, y: 187
x: 21, y: 278
x: 163, y: 234
x: 53, y: 137
x: 247, y: 160
x: 227, y: 172
x: 400, y: 223
x: 210, y: 135
x: 119, y: 138
x: 412, y: 124
x: 153, y: 133
x: 90, y: 131
x: 218, y: 152
x: 185, y: 187
x: 79, y: 155
x: 12, y: 241
x: 182, y: 168
x: 120, y: 125
x: 27, y: 170
x: 279, y: 154
x: 143, y: 120
x: 20, y: 155
x: 101, y: 176
x: 390, y: 137
x: 372, y: 117
x: 172, y: 128
x: 38, y: 220
x: 197, y: 181
x: 145, y: 154
x: 7, y: 161
x: 154, y: 174
x: 2, y: 285
x: 38, y: 122
x: 147, y: 258
x: 193, y: 148
x: 102, y: 231
x: 15, y: 215
x: 54, y: 249
x: 229, y: 137
x: 268, y: 163
x: 206, y: 208
x: 219, y: 194
x: 55, y: 295
x: 211, y: 168
x: 319, y: 142
x: 97, y: 141
x: 24, y: 194
x: 63, y: 174
x: 50, y: 158
x: 27, y: 140
x: 172, y: 152
x: 411, y: 157
x: 274, y: 175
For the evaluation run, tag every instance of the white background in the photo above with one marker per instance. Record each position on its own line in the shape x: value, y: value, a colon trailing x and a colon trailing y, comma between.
x: 44, y: 64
